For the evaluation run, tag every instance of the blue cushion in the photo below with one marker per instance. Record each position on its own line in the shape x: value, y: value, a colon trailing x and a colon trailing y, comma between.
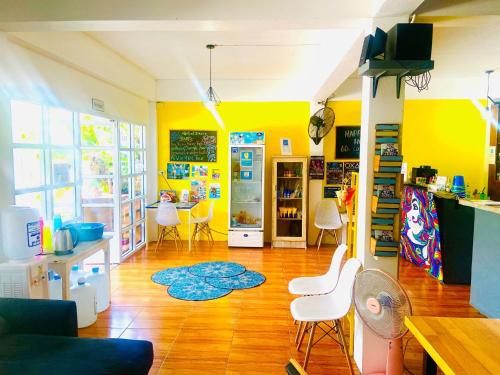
x: 57, y: 355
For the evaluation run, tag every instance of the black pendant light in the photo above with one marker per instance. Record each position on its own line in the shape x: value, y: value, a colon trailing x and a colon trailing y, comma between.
x: 211, y: 95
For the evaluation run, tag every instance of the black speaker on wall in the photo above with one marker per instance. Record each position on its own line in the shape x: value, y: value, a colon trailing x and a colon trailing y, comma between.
x: 409, y: 41
x: 373, y: 46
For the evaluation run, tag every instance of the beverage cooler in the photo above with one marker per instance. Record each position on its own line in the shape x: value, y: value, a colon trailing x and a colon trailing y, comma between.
x: 246, y: 189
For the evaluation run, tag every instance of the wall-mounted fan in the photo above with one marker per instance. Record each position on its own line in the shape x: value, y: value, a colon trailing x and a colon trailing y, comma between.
x: 321, y: 123
x: 382, y: 305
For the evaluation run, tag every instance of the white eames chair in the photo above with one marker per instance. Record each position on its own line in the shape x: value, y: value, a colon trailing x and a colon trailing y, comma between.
x: 322, y: 284
x: 327, y: 220
x: 168, y: 218
x: 327, y: 308
x: 201, y: 224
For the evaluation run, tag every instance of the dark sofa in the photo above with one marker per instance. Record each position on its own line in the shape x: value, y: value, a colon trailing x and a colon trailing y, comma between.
x: 40, y: 337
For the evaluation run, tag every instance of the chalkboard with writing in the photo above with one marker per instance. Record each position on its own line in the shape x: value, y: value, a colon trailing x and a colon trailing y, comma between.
x: 347, y: 142
x: 193, y: 145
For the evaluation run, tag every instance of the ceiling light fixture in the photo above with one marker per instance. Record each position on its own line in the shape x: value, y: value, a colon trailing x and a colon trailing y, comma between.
x: 211, y: 95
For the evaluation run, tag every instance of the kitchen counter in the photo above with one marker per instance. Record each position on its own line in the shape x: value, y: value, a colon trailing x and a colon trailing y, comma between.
x: 485, y: 275
x: 489, y: 206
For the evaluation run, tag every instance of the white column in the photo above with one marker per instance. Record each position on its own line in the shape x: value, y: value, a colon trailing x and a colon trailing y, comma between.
x: 370, y: 351
x: 315, y: 186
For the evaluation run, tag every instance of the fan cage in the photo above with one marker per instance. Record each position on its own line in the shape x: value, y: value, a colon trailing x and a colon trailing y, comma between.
x: 387, y: 328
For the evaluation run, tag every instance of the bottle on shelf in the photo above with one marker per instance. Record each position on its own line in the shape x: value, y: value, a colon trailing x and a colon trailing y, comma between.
x: 55, y: 286
x: 75, y: 274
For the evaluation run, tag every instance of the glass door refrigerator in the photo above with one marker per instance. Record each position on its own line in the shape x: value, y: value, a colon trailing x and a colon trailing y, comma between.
x: 246, y: 189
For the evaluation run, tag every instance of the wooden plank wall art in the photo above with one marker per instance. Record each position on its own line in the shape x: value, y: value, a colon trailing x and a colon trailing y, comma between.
x: 386, y: 207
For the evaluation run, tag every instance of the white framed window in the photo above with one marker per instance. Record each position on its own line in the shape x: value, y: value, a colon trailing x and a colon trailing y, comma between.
x: 45, y: 157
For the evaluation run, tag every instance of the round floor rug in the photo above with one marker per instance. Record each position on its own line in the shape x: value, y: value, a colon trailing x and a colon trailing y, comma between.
x: 246, y: 280
x: 195, y: 289
x: 217, y: 269
x: 170, y: 275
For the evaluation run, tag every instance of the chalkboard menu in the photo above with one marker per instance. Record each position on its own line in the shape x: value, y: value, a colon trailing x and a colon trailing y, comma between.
x: 193, y: 145
x: 347, y: 142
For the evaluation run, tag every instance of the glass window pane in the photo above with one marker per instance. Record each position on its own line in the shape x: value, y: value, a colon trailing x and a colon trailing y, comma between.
x: 31, y: 200
x: 96, y: 163
x: 138, y: 141
x: 96, y: 131
x: 125, y: 162
x: 138, y: 186
x: 26, y: 122
x: 124, y: 135
x: 63, y: 166
x: 139, y: 234
x: 61, y: 127
x: 99, y: 215
x: 97, y: 190
x: 125, y: 242
x: 138, y: 162
x: 138, y: 210
x: 126, y: 189
x: 28, y: 168
x: 126, y: 215
x: 64, y: 202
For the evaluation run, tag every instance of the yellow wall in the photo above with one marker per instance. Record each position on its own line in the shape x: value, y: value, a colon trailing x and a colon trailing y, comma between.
x: 276, y: 119
x: 448, y: 135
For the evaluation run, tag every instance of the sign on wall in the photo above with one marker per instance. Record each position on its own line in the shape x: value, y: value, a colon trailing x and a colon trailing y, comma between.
x: 347, y: 142
x: 193, y: 145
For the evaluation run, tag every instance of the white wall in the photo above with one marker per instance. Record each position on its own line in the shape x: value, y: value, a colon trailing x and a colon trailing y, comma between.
x: 28, y: 75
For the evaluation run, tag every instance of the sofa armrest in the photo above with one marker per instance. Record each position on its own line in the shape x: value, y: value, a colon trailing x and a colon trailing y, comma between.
x: 40, y: 316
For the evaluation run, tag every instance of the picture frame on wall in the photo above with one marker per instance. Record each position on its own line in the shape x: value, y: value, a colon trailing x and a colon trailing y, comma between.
x: 334, y: 173
x: 317, y: 167
x: 330, y: 191
x: 177, y: 171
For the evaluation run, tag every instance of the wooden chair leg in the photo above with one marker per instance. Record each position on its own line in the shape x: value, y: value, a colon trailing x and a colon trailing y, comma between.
x: 299, y: 329
x: 160, y: 239
x: 195, y: 231
x: 320, y: 238
x: 346, y: 348
x: 302, y: 334
x: 211, y: 237
x: 309, y: 344
x: 336, y: 238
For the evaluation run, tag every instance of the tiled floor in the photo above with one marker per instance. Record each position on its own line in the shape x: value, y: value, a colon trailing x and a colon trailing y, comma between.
x: 249, y: 331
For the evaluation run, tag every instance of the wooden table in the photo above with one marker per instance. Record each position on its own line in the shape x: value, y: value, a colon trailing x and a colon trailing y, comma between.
x: 458, y: 345
x: 62, y: 264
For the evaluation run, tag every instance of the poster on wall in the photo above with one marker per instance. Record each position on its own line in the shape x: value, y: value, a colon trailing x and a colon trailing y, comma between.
x: 215, y: 174
x: 177, y: 171
x: 214, y: 191
x: 334, y: 173
x: 317, y: 167
x: 198, y: 191
x: 246, y: 175
x: 420, y: 236
x: 349, y: 167
x: 199, y: 171
x: 330, y: 191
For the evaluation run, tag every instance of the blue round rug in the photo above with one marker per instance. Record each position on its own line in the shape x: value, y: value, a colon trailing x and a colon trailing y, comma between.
x: 246, y: 280
x: 217, y: 269
x: 169, y: 275
x: 195, y: 289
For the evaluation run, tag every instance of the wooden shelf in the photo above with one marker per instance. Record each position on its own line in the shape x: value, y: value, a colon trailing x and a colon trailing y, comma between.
x: 288, y: 219
x: 290, y: 177
x: 396, y: 68
x: 289, y: 199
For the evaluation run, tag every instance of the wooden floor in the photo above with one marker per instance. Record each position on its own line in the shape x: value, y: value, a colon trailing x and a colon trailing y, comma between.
x: 249, y: 331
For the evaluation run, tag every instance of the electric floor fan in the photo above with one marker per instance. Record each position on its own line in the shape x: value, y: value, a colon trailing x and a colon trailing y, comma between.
x: 382, y: 305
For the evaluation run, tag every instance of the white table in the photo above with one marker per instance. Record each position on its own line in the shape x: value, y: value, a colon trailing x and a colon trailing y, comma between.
x: 180, y: 207
x: 62, y: 263
x: 345, y: 220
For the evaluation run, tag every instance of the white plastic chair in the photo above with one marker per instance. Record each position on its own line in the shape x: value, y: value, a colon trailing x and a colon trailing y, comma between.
x: 201, y: 224
x: 328, y: 307
x: 315, y: 285
x: 168, y: 218
x: 327, y: 219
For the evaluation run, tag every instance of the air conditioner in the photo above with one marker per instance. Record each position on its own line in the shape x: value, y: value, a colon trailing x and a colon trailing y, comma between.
x: 24, y: 279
